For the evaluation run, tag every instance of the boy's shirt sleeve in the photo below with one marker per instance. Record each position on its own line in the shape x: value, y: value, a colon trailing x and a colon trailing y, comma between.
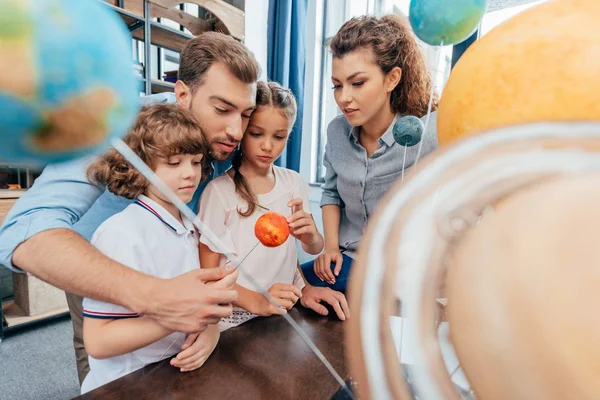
x: 118, y: 244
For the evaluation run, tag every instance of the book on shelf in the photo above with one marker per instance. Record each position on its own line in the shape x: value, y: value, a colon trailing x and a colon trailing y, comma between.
x: 170, y: 76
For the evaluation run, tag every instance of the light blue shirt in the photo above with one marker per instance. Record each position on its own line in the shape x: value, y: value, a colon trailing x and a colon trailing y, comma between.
x: 62, y: 197
x: 357, y: 182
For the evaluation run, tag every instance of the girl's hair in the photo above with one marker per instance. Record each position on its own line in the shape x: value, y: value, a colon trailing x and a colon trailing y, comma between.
x: 267, y: 94
x: 160, y: 131
x: 391, y: 40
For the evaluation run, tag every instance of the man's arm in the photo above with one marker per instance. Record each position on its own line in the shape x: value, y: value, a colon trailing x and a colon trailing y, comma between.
x: 37, y: 237
x: 64, y: 259
x: 58, y: 199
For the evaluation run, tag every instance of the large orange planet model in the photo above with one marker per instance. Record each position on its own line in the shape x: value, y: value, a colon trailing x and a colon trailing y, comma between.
x: 272, y: 229
x: 541, y: 65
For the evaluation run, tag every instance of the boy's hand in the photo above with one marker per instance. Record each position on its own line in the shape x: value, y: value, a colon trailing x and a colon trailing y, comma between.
x: 196, y: 349
x: 302, y: 224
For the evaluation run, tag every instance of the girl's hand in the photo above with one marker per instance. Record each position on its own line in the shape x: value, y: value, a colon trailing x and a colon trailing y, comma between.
x: 322, y: 265
x: 196, y: 349
x: 284, y: 295
x: 302, y: 224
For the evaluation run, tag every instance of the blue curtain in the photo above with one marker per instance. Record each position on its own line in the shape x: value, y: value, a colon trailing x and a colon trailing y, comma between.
x: 286, y: 63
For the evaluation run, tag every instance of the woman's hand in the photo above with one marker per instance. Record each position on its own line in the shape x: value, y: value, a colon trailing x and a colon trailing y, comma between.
x: 322, y: 265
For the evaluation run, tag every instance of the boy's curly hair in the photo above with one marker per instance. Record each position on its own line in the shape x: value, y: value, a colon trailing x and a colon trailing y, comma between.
x: 393, y: 44
x: 160, y: 131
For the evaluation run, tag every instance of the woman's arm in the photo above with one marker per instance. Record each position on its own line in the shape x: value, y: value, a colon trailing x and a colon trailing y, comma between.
x: 106, y: 338
x: 331, y: 202
x: 331, y: 226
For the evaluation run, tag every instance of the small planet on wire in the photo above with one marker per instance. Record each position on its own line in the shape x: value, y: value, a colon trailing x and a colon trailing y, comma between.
x: 445, y: 22
x: 272, y: 229
x: 408, y: 130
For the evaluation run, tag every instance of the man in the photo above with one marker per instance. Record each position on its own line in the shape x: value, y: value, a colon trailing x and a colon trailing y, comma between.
x: 218, y: 84
x: 45, y: 232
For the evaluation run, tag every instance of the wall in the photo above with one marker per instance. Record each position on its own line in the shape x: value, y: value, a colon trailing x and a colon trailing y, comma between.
x: 311, y: 126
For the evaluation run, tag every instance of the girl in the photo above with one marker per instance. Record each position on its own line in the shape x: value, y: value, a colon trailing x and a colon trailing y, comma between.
x: 231, y: 204
x: 152, y: 237
x: 378, y: 76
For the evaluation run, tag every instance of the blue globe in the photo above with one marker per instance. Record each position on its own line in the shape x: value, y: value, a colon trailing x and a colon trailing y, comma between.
x: 445, y: 22
x: 66, y: 82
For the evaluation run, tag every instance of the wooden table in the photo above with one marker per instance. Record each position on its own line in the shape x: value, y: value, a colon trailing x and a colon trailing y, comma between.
x: 261, y: 359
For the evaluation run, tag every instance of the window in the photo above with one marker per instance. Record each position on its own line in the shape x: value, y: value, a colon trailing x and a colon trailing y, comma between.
x: 333, y: 20
x: 497, y: 16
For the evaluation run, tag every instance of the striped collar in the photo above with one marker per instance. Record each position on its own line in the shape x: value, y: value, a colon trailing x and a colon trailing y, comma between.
x: 164, y: 216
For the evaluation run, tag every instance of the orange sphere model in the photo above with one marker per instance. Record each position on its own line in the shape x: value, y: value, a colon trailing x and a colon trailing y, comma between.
x: 540, y: 66
x: 272, y: 229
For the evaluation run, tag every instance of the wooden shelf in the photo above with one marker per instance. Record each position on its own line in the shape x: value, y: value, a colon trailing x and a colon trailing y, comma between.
x: 166, y: 37
x: 158, y: 86
x: 229, y: 18
x: 132, y: 21
x: 16, y: 317
x: 11, y: 194
x: 226, y: 18
x: 162, y: 86
x: 160, y: 35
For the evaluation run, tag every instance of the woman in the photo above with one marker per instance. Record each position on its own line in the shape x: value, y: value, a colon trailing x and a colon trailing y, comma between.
x: 379, y: 76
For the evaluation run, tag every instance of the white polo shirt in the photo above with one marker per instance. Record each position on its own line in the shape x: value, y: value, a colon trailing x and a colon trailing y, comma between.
x: 149, y: 239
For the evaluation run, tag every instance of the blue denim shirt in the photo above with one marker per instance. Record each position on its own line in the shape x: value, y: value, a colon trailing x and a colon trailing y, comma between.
x: 62, y: 197
x: 356, y: 182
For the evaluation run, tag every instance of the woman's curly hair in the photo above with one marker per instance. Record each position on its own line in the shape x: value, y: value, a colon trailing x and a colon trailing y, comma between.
x: 160, y: 131
x: 392, y: 41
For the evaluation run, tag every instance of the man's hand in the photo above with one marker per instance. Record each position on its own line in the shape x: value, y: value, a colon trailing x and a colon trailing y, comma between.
x: 312, y: 296
x: 188, y: 303
x: 196, y: 349
x: 220, y: 283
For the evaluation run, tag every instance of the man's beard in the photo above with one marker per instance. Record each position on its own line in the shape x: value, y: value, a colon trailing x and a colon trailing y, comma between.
x: 218, y: 155
x: 215, y: 154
